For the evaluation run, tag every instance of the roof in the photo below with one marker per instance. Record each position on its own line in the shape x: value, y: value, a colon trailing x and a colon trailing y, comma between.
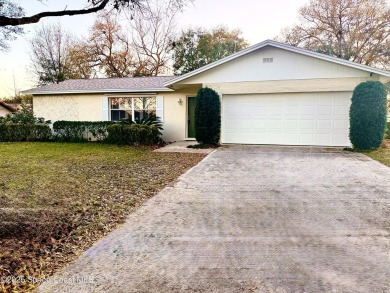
x: 15, y: 105
x: 104, y: 85
x: 8, y: 107
x: 162, y: 83
x: 280, y: 46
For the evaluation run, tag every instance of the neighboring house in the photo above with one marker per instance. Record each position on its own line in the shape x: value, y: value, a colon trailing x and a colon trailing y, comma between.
x: 16, y: 106
x: 6, y: 109
x: 271, y: 93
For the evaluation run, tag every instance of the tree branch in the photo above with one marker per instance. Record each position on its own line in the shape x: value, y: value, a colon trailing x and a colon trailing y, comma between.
x: 4, y: 20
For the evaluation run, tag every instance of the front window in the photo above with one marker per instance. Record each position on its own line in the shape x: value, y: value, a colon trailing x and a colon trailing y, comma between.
x: 132, y: 108
x: 144, y: 107
x: 121, y: 108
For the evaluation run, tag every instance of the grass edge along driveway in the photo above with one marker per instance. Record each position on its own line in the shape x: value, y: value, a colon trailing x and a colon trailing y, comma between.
x: 56, y: 200
x: 382, y: 154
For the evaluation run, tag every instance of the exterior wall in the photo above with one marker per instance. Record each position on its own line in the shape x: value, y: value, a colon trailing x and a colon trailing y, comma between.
x: 286, y: 65
x: 89, y: 108
x: 384, y: 79
x: 4, y: 112
x: 69, y: 107
x: 175, y: 114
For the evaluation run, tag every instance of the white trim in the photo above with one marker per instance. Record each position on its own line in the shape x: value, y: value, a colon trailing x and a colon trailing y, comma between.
x: 280, y: 46
x: 105, y: 109
x: 113, y: 95
x: 132, y: 108
x: 160, y: 107
x: 106, y: 91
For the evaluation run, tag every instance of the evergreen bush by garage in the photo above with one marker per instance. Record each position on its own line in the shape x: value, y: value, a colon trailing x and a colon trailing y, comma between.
x: 368, y: 115
x: 388, y: 131
x: 207, y: 117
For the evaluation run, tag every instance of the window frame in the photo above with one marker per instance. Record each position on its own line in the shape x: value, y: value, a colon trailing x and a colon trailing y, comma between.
x: 132, y: 97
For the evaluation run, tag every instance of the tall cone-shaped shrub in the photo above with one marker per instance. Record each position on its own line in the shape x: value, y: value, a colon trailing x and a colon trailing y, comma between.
x: 207, y: 116
x: 368, y: 115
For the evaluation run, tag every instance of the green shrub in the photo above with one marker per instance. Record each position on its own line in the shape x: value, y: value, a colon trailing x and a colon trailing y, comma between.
x: 24, y: 126
x: 368, y: 115
x: 13, y: 132
x: 23, y: 116
x: 80, y: 131
x: 388, y: 131
x: 207, y: 117
x: 133, y: 134
x: 151, y: 120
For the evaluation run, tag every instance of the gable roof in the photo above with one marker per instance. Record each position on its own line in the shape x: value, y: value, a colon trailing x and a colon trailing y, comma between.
x: 280, y: 46
x: 8, y: 107
x: 104, y: 85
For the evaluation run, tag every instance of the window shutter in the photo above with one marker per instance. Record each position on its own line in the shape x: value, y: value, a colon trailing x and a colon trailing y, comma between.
x: 160, y: 107
x: 105, y: 113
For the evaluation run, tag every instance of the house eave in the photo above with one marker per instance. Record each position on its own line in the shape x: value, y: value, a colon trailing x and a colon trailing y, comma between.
x: 100, y: 91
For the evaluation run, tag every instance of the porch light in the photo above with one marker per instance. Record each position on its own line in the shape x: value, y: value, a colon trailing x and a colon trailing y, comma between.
x: 179, y: 101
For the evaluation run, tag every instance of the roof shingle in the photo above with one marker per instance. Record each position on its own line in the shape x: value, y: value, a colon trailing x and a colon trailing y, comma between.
x: 7, y: 106
x: 127, y: 84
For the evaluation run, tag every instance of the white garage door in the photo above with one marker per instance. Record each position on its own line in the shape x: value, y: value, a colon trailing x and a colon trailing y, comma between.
x: 287, y: 119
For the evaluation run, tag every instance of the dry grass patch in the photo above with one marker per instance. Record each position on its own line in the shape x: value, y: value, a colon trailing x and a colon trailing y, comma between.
x: 382, y: 154
x: 56, y: 200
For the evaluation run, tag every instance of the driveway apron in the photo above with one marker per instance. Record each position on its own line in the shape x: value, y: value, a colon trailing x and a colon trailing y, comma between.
x: 251, y: 219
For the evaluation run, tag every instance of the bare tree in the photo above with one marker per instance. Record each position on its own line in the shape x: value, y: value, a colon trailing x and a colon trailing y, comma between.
x: 355, y: 30
x: 108, y: 47
x: 152, y: 34
x: 78, y: 62
x: 12, y: 14
x: 49, y: 52
x: 114, y: 52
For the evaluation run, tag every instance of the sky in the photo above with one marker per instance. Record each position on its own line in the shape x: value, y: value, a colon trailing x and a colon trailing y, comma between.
x: 257, y: 19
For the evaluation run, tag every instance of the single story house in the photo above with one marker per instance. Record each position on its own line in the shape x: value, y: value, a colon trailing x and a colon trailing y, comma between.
x: 271, y: 93
x: 6, y: 109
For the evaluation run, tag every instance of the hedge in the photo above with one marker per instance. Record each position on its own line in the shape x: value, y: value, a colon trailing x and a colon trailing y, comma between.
x: 388, y: 131
x: 11, y: 132
x: 80, y: 131
x: 368, y: 115
x: 133, y: 134
x: 207, y: 117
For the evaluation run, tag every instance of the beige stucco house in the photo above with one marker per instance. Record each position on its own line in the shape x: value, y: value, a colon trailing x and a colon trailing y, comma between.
x: 6, y: 109
x: 271, y: 93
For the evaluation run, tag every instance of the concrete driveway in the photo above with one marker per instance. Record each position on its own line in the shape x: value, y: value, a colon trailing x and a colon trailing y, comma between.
x: 252, y: 219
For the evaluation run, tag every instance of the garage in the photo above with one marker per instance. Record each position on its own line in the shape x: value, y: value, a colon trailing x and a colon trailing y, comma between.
x: 319, y: 118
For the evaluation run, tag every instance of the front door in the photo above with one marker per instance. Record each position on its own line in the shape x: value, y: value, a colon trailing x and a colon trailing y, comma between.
x: 191, y: 117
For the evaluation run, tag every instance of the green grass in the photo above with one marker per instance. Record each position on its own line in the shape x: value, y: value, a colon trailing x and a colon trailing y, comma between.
x: 57, y: 199
x: 382, y: 154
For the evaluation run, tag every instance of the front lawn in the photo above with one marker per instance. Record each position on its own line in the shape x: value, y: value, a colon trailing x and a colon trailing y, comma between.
x: 56, y: 200
x: 382, y: 154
